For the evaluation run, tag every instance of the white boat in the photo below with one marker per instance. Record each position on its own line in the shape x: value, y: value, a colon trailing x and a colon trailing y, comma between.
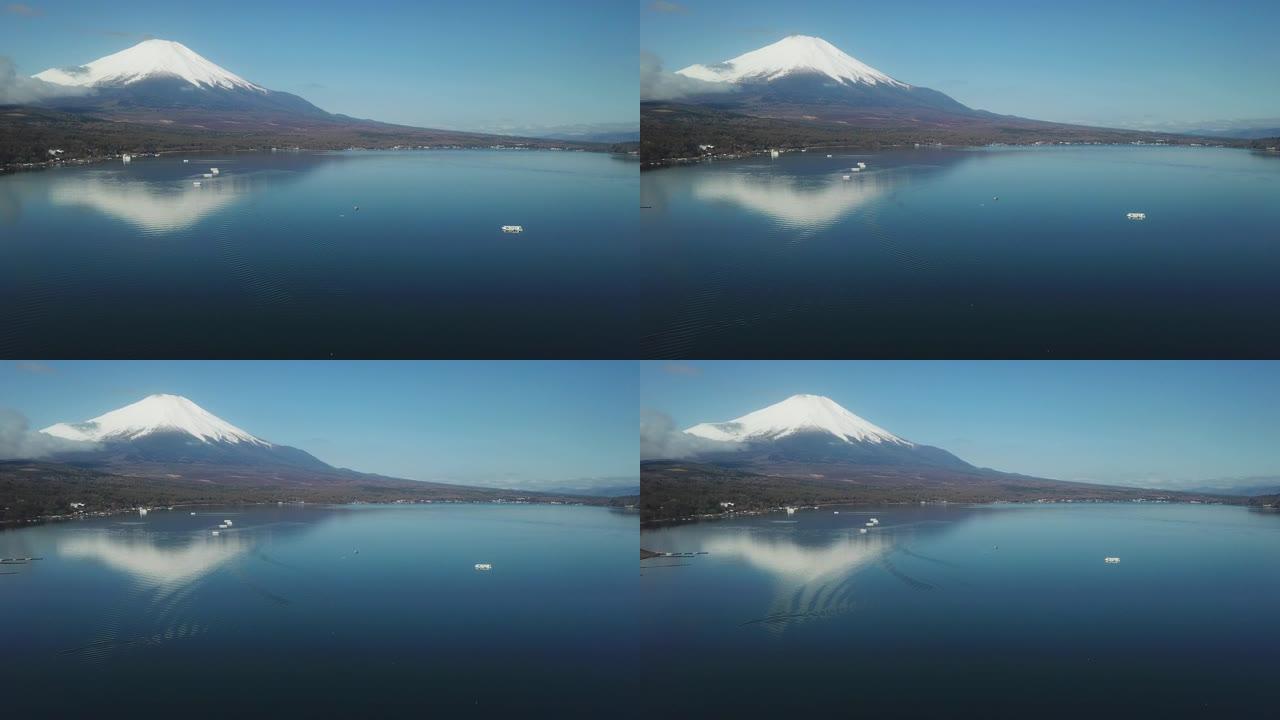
x: 846, y: 177
x: 835, y: 512
x: 484, y: 566
x: 206, y: 175
x: 228, y: 523
x: 862, y: 531
x: 193, y: 513
x: 127, y: 158
x: 875, y: 520
x: 186, y: 161
x: 773, y: 153
x: 213, y: 171
x: 196, y: 183
x: 871, y: 524
x: 512, y: 228
x: 828, y: 156
x: 1136, y: 216
x: 791, y: 511
x: 1111, y: 560
x: 862, y: 166
x: 215, y: 532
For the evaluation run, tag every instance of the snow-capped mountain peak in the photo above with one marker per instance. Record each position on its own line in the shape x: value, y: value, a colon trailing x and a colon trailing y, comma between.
x: 156, y: 414
x: 797, y: 414
x: 149, y: 59
x: 791, y: 55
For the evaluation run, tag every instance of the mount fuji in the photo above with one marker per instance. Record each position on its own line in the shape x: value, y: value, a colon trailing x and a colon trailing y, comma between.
x: 809, y: 450
x: 803, y: 92
x: 165, y: 450
x: 173, y: 429
x: 163, y: 75
x: 806, y: 70
x: 161, y: 95
x: 812, y: 428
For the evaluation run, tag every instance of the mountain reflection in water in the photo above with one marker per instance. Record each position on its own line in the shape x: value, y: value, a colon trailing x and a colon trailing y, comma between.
x: 795, y: 201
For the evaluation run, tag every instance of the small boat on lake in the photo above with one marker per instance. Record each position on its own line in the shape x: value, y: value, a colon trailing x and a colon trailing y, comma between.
x: 484, y: 566
x: 512, y: 228
x: 1112, y: 560
x: 1136, y: 216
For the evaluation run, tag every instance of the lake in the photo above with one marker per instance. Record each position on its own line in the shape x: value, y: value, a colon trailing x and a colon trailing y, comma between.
x: 950, y: 611
x: 318, y: 611
x: 271, y: 259
x: 915, y: 256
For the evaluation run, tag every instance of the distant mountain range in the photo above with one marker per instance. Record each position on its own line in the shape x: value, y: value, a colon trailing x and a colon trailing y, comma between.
x: 809, y: 450
x: 161, y: 95
x: 166, y: 449
x: 803, y: 91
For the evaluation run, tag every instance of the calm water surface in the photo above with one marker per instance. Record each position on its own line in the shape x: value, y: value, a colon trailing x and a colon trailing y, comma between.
x: 271, y: 259
x: 915, y: 257
x: 322, y: 611
x: 969, y: 612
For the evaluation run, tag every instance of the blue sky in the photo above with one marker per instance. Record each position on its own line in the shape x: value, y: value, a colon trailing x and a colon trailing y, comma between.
x: 1140, y: 63
x: 1153, y: 423
x: 513, y: 424
x: 464, y: 65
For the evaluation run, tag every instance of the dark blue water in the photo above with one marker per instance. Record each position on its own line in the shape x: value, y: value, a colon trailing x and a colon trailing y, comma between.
x: 969, y: 612
x: 314, y: 612
x: 270, y: 259
x: 914, y: 257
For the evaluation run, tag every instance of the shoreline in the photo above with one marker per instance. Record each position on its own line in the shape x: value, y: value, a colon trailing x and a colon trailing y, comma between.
x: 651, y: 524
x: 15, y: 168
x: 45, y: 519
x: 667, y: 163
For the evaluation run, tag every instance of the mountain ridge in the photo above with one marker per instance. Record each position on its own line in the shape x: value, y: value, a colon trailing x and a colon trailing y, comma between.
x: 160, y: 96
x: 814, y: 429
x: 809, y: 450
x: 809, y: 94
x: 149, y: 58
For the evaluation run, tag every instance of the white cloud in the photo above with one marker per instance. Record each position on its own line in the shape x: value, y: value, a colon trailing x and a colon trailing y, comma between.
x: 660, y: 439
x: 658, y: 85
x: 19, y: 442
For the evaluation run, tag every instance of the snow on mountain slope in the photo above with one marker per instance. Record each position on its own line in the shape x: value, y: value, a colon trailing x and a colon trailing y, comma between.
x: 790, y: 55
x: 797, y: 414
x: 146, y: 60
x: 156, y: 414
